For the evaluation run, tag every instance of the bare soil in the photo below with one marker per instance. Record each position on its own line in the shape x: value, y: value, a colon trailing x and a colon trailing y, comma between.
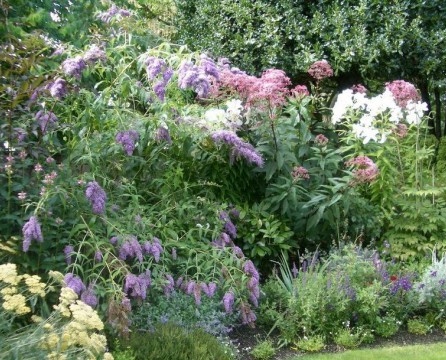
x: 245, y: 339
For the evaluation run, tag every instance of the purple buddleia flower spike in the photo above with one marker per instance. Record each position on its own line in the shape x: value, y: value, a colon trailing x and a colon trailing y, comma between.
x: 238, y: 146
x: 94, y: 54
x: 74, y: 66
x: 228, y: 301
x: 97, y: 197
x: 162, y: 135
x: 128, y: 139
x: 45, y: 119
x: 58, y: 88
x: 98, y: 256
x: 68, y: 251
x: 250, y: 269
x: 155, y: 67
x: 88, y: 296
x: 209, y: 67
x: 74, y: 282
x: 136, y: 286
x: 169, y: 287
x: 31, y: 231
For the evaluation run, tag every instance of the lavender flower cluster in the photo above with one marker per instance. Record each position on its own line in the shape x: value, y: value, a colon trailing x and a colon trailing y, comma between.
x: 400, y: 284
x: 128, y: 139
x: 31, y: 231
x: 45, y: 119
x: 163, y: 135
x: 86, y: 294
x: 97, y: 197
x: 238, y: 146
x: 155, y: 68
x: 136, y: 285
x: 57, y: 88
x: 74, y: 66
x: 198, y: 77
x: 131, y: 248
x: 195, y: 289
x: 111, y: 13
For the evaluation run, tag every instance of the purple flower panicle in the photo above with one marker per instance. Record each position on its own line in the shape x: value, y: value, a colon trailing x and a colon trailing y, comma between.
x: 31, y: 231
x: 97, y: 197
x: 74, y: 66
x: 89, y: 297
x: 238, y: 146
x: 75, y: 283
x: 128, y: 139
x: 58, y: 88
x: 131, y: 248
x: 366, y: 170
x: 228, y: 301
x: 45, y: 119
x: 300, y: 91
x: 94, y: 54
x: 68, y: 251
x: 136, y: 285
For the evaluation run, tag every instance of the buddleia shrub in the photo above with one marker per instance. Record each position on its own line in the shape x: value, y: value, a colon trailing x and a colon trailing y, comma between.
x: 169, y: 341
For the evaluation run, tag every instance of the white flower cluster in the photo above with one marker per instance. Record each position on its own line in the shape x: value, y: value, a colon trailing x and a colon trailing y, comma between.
x: 373, y: 111
x: 219, y: 119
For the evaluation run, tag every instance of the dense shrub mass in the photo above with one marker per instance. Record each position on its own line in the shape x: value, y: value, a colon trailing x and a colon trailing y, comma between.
x: 161, y: 185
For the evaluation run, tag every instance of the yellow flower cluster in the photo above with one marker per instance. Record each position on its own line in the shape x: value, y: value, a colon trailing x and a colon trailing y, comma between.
x: 35, y: 286
x: 66, y: 298
x: 16, y: 304
x: 13, y: 299
x: 80, y: 332
x: 8, y: 274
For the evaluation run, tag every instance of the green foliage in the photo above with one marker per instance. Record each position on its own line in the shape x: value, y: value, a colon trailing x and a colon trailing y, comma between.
x: 387, y: 326
x: 348, y: 338
x: 169, y: 341
x: 417, y: 326
x: 264, y: 350
x: 313, y: 343
x: 263, y: 236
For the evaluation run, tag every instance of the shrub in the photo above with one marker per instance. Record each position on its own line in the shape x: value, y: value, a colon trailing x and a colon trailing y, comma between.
x: 263, y: 350
x: 347, y: 338
x: 417, y: 326
x: 313, y: 343
x: 169, y: 341
x: 387, y: 326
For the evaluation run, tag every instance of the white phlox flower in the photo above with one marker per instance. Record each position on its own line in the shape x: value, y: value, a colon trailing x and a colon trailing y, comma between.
x: 415, y: 112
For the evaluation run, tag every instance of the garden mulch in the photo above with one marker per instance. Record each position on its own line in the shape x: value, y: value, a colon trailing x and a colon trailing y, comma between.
x: 246, y: 338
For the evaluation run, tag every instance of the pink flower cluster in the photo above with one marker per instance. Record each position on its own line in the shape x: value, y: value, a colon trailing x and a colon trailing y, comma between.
x: 321, y: 140
x: 299, y: 172
x: 359, y: 89
x: 300, y: 91
x: 403, y: 92
x: 270, y: 89
x: 366, y: 170
x: 320, y: 70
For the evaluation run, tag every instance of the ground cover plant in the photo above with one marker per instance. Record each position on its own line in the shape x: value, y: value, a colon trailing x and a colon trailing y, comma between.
x: 174, y: 194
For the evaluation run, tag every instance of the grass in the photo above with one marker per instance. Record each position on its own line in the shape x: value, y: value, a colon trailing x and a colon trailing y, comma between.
x: 414, y: 352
